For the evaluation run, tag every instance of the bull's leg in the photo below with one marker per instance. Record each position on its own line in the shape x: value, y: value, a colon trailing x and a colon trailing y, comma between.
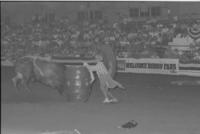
x: 54, y: 83
x: 25, y: 84
x: 16, y: 79
x: 32, y: 79
x: 60, y: 91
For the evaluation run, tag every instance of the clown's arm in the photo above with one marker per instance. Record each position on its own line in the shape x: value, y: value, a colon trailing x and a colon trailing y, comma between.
x: 90, y: 69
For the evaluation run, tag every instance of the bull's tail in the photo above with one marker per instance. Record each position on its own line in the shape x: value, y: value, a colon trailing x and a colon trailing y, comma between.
x: 37, y: 67
x: 34, y: 58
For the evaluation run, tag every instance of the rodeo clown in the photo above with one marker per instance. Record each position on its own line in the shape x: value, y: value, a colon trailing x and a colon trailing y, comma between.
x: 106, y: 81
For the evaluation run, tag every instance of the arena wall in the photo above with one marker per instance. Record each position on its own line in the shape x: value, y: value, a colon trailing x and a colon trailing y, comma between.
x: 23, y: 11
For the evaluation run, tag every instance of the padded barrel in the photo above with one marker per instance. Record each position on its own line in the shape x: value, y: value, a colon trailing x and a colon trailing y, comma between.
x: 77, y: 83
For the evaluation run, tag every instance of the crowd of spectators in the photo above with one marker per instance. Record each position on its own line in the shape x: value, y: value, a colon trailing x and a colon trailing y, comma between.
x: 128, y: 37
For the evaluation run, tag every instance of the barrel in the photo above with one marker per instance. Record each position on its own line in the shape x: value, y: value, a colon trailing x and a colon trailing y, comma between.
x: 77, y: 83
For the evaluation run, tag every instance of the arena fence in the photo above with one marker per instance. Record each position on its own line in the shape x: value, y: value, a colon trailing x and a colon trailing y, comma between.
x: 143, y: 66
x: 157, y: 66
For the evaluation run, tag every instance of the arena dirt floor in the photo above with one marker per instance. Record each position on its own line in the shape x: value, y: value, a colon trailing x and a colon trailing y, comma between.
x: 157, y: 106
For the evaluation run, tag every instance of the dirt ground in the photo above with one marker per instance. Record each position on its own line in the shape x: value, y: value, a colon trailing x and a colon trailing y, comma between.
x: 157, y: 106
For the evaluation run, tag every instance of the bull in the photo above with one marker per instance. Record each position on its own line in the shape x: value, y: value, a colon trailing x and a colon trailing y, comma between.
x: 37, y: 69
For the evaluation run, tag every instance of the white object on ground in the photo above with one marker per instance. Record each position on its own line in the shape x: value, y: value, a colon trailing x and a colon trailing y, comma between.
x: 63, y: 132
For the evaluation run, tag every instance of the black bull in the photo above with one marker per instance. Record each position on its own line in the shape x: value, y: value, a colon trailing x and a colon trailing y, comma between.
x: 31, y: 69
